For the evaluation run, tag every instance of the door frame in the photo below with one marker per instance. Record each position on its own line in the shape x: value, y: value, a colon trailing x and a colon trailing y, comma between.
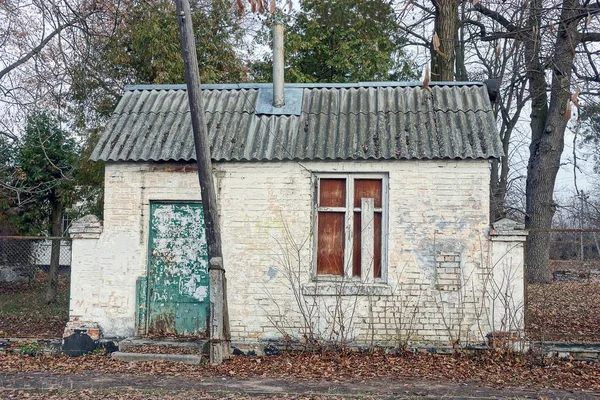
x: 143, y: 282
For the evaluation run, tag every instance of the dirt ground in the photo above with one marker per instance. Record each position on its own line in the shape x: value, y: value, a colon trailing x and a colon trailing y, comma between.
x: 304, y: 375
x: 93, y: 385
x: 566, y: 311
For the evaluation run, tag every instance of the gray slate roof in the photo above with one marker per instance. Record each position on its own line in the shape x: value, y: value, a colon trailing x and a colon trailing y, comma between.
x: 341, y: 122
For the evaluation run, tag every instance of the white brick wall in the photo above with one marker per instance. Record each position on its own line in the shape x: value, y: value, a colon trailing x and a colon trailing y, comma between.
x: 505, y: 286
x: 436, y: 207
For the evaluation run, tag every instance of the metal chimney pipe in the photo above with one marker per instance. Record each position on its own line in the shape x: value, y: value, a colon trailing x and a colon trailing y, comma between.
x: 278, y: 96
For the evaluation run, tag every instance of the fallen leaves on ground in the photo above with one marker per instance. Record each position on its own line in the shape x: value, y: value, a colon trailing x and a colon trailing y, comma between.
x: 491, y: 368
x: 564, y: 311
x: 24, y: 313
x: 151, y: 395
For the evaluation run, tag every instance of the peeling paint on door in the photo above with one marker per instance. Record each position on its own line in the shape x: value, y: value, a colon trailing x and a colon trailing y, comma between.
x: 178, y: 298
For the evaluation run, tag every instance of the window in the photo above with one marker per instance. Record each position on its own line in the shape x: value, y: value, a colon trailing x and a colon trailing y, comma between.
x: 351, y: 213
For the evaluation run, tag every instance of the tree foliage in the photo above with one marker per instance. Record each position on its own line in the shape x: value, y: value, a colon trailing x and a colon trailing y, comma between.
x: 6, y: 162
x: 89, y: 176
x: 343, y: 41
x: 45, y: 164
x: 50, y: 170
x: 6, y: 166
x: 147, y: 50
x: 143, y: 48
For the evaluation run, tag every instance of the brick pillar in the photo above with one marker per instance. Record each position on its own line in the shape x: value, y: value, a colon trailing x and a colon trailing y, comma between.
x: 505, y: 284
x: 85, y: 233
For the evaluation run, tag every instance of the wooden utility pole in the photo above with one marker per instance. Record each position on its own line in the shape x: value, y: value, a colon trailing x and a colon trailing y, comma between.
x: 219, y: 321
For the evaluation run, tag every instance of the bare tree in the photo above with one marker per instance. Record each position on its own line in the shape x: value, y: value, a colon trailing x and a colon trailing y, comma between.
x: 502, y: 64
x: 555, y: 36
x: 553, y: 40
x: 451, y: 32
x: 38, y: 40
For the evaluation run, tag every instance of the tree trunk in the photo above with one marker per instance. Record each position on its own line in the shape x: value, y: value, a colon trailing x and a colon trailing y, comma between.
x: 499, y: 178
x: 446, y: 27
x: 459, y: 49
x: 548, y: 124
x: 56, y: 219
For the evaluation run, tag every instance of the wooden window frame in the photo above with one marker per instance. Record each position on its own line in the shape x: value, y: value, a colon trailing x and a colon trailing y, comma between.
x: 349, y: 210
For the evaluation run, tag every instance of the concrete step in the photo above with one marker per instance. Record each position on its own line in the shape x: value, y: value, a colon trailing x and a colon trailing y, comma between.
x: 576, y: 351
x: 184, y: 350
x: 185, y: 345
x: 193, y: 359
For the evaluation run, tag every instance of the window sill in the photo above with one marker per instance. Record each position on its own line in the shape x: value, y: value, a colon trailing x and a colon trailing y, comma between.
x: 346, y: 288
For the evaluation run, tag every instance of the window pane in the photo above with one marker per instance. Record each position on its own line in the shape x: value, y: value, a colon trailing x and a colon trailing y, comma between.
x: 332, y: 193
x: 356, y: 246
x: 330, y: 247
x: 365, y: 188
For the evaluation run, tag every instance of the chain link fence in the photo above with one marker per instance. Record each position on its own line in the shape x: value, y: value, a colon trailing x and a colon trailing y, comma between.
x: 22, y: 257
x: 25, y: 308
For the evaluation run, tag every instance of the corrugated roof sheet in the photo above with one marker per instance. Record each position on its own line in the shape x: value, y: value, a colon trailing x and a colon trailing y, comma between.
x: 344, y: 122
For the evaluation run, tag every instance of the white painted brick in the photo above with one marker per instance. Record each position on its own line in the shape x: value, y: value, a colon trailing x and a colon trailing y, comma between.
x: 431, y: 202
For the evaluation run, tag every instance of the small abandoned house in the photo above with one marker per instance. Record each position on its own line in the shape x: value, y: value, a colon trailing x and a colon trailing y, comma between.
x: 355, y: 213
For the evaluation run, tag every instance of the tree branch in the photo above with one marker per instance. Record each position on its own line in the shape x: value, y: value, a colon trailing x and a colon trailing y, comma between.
x: 9, y: 135
x: 589, y: 37
x: 496, y: 16
x: 41, y: 45
x: 590, y: 59
x: 482, y: 31
x: 425, y: 43
x: 514, y: 32
x: 584, y: 77
x: 502, y: 35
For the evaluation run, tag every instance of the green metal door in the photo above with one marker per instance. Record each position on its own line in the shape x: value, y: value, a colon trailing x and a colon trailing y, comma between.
x: 178, y: 295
